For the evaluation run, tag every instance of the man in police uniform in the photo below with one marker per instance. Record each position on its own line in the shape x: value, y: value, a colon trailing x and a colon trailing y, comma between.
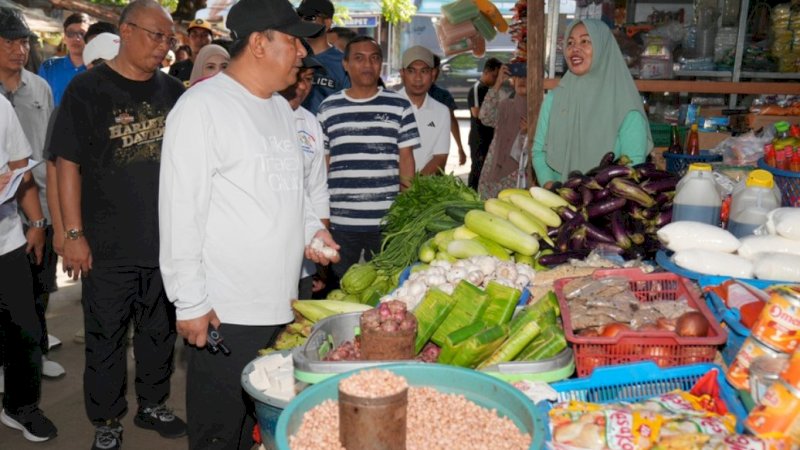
x: 331, y: 78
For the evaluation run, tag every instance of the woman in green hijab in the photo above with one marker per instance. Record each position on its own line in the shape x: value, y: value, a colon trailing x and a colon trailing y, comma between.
x: 595, y: 109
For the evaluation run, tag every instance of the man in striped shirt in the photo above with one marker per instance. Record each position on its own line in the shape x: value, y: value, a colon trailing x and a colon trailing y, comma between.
x: 370, y: 135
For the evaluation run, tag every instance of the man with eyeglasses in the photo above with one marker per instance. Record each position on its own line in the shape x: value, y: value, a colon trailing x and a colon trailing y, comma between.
x: 30, y: 96
x: 60, y: 70
x: 199, y: 36
x: 107, y: 143
x: 433, y: 118
x: 331, y: 77
x: 23, y: 337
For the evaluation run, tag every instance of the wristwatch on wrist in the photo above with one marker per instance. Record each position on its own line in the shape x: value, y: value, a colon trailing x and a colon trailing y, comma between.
x: 73, y: 234
x: 41, y: 223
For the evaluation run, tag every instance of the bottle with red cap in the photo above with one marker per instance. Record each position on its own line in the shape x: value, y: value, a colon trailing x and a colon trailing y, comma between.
x: 769, y: 154
x: 794, y: 164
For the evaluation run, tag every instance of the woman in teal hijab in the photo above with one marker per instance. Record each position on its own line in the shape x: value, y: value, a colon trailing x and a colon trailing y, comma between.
x: 595, y: 109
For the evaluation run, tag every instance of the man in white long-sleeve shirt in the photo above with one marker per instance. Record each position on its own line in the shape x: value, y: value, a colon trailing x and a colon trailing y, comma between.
x: 309, y: 135
x: 234, y: 216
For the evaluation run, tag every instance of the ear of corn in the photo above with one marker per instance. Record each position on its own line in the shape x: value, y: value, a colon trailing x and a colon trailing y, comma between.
x: 550, y: 342
x: 470, y: 304
x: 430, y: 313
x: 480, y: 346
x: 502, y: 302
x: 501, y: 231
x: 316, y: 310
x: 515, y: 343
x: 454, y: 339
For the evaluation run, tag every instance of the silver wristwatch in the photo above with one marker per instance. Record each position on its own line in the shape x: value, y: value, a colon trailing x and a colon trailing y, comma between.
x: 41, y: 223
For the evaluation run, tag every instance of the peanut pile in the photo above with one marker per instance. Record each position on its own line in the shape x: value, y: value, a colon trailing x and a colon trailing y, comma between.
x: 435, y: 421
x: 374, y: 383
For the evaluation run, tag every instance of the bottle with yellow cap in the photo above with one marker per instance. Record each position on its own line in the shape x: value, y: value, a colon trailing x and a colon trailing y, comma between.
x: 751, y: 202
x: 696, y: 196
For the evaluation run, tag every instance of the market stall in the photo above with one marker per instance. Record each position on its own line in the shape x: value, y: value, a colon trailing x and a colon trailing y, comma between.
x: 651, y: 305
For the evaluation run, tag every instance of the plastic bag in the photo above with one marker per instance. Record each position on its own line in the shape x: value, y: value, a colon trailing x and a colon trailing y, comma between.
x: 744, y: 150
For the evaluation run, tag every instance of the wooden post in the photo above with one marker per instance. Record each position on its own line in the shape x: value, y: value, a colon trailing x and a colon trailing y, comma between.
x: 536, y: 40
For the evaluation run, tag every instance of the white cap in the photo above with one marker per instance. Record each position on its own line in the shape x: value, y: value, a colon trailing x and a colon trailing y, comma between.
x: 103, y: 46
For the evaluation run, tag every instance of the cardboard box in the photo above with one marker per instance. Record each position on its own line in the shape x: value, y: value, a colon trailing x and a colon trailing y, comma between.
x: 711, y: 140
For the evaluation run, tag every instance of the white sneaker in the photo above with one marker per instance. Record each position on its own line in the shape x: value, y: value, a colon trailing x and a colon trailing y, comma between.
x: 53, y: 341
x: 52, y: 369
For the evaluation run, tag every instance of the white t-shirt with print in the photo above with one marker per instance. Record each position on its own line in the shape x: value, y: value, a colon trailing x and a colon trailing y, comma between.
x: 433, y: 123
x: 14, y: 146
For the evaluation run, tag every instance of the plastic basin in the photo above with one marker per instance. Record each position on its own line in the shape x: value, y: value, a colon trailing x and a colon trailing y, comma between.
x: 268, y: 409
x: 479, y: 388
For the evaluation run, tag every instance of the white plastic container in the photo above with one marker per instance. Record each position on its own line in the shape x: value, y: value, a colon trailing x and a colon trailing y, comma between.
x: 751, y: 203
x: 696, y: 196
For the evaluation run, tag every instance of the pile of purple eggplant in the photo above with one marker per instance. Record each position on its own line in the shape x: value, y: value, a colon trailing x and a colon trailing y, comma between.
x: 618, y: 209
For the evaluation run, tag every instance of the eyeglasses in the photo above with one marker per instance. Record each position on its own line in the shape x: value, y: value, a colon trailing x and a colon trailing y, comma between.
x: 311, y: 18
x: 75, y: 35
x: 157, y: 37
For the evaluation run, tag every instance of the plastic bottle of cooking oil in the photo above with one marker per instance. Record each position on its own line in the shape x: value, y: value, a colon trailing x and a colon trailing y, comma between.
x: 752, y: 201
x: 696, y: 196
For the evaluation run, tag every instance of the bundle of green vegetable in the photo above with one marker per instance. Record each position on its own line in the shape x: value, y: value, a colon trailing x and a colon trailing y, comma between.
x: 430, y: 205
x: 424, y: 192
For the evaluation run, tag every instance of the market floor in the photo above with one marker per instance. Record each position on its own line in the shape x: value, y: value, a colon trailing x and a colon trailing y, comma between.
x: 62, y: 399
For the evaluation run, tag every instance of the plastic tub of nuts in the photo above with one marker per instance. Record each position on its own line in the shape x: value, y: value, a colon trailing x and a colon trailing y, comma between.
x: 479, y: 389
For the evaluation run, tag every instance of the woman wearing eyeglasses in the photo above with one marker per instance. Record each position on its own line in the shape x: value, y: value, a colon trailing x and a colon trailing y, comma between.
x: 59, y: 71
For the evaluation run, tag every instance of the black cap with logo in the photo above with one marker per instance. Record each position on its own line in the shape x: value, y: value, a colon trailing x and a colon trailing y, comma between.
x: 13, y: 25
x: 249, y: 16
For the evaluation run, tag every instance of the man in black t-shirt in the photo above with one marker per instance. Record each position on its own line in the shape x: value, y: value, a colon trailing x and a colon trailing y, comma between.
x: 107, y: 141
x: 480, y: 135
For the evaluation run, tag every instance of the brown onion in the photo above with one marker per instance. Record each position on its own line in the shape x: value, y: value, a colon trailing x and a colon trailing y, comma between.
x: 692, y: 324
x: 614, y: 329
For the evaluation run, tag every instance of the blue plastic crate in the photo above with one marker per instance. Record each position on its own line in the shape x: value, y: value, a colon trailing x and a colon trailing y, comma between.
x: 640, y: 381
x: 737, y: 332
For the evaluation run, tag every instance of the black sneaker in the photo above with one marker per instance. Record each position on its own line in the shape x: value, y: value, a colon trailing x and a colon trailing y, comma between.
x: 108, y: 436
x: 162, y: 420
x: 33, y: 424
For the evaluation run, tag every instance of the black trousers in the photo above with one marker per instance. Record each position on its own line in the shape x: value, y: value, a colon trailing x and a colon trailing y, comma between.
x: 220, y: 414
x: 44, y: 282
x: 352, y: 243
x: 112, y: 296
x: 20, y: 334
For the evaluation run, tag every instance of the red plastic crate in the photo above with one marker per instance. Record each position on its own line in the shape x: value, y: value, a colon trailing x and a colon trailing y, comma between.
x: 665, y: 348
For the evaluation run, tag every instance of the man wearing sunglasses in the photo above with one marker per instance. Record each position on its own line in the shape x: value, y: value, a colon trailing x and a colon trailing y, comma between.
x: 107, y: 143
x: 331, y: 77
x: 59, y: 71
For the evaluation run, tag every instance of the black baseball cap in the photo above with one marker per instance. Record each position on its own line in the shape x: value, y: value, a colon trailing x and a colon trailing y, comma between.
x: 13, y: 25
x: 249, y: 16
x: 314, y: 7
x: 309, y: 62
